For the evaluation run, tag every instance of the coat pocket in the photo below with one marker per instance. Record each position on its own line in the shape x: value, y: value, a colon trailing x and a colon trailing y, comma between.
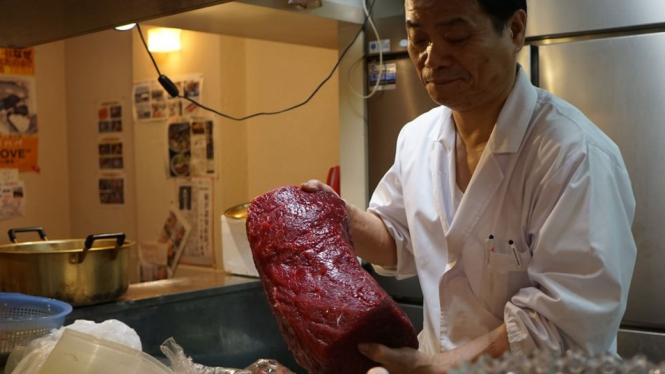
x: 506, y: 274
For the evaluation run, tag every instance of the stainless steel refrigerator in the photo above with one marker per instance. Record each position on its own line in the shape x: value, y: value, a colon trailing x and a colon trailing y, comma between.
x: 606, y: 57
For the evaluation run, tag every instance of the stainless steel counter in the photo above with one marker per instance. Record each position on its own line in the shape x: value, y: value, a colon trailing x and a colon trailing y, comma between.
x: 223, y: 320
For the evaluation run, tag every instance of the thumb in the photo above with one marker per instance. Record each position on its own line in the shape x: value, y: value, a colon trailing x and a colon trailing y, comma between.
x: 378, y: 370
x: 375, y: 352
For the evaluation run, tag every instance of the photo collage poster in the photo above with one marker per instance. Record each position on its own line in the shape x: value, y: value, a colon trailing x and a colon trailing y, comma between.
x: 153, y: 103
x: 191, y: 150
x: 111, y: 152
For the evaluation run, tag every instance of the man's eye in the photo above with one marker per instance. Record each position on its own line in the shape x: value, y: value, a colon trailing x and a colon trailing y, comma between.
x: 456, y: 38
x: 419, y: 42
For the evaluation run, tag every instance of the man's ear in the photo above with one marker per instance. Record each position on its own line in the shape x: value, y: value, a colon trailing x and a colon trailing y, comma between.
x: 517, y: 29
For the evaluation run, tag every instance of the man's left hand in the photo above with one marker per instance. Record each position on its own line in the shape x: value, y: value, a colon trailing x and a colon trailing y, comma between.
x: 411, y: 361
x: 403, y: 360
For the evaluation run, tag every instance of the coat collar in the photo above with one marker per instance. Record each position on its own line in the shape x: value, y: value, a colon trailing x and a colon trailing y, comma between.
x: 515, y: 116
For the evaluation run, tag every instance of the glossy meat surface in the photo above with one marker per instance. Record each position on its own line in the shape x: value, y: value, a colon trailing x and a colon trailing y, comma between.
x: 324, y: 302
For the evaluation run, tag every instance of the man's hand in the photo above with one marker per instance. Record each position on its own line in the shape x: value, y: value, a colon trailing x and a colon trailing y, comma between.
x: 402, y: 360
x: 372, y: 241
x: 411, y: 361
x: 316, y: 185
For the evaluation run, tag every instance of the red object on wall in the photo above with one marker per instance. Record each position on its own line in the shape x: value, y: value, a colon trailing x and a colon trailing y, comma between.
x: 333, y: 179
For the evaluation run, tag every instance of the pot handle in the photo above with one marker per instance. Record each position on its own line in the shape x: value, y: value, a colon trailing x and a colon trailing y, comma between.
x: 120, y: 237
x: 12, y: 232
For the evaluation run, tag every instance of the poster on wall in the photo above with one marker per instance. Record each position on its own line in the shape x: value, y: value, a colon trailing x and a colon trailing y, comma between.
x: 153, y: 260
x: 109, y: 118
x: 174, y: 234
x: 179, y: 142
x: 12, y: 195
x: 195, y: 205
x: 191, y: 150
x: 112, y: 189
x: 152, y: 102
x: 110, y: 152
x: 18, y: 110
x: 203, y: 150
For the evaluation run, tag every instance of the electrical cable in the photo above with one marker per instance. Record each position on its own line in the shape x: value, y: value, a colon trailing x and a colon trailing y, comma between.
x: 170, y: 87
x: 138, y: 27
x: 375, y: 88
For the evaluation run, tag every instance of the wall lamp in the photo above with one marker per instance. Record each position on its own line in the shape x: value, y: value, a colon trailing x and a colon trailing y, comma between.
x: 162, y: 39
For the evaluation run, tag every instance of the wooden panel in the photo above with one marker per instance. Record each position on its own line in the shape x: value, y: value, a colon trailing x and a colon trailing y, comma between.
x: 28, y: 23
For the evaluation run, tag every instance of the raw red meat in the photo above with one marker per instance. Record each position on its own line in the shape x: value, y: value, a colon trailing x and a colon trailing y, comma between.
x: 324, y: 302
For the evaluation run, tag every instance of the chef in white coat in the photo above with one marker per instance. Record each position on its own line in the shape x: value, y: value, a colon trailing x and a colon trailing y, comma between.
x: 512, y: 208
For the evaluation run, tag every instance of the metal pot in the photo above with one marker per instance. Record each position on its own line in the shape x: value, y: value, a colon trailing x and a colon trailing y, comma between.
x: 77, y: 271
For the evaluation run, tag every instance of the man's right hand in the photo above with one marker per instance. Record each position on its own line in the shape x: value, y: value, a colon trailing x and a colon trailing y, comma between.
x: 372, y: 240
x: 316, y: 185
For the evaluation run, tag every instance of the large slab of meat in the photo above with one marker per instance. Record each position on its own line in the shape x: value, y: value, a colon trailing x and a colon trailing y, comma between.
x: 324, y: 302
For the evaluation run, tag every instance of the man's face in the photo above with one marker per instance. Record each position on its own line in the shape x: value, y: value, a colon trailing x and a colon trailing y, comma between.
x: 462, y: 60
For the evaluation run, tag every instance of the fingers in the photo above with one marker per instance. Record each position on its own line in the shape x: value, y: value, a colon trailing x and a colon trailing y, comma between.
x: 311, y: 185
x: 396, y: 360
x: 375, y: 352
x: 316, y: 185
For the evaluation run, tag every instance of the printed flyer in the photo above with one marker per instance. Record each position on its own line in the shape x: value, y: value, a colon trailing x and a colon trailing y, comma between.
x: 195, y: 205
x: 152, y: 102
x: 12, y: 195
x: 153, y: 259
x: 112, y: 189
x: 19, y: 140
x: 174, y: 234
x: 191, y: 150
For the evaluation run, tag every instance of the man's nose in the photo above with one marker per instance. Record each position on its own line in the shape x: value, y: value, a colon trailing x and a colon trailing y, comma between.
x: 438, y: 55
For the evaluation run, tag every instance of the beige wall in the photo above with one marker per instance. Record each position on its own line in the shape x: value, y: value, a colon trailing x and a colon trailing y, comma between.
x: 352, y: 124
x: 233, y: 136
x: 99, y: 68
x: 200, y: 54
x: 242, y: 76
x: 47, y: 193
x: 299, y: 145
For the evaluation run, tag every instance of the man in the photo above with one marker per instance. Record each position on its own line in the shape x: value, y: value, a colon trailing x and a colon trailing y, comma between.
x: 512, y: 208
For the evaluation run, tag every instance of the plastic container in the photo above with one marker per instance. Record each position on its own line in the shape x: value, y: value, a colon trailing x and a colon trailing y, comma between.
x: 24, y: 318
x: 236, y: 253
x: 79, y: 353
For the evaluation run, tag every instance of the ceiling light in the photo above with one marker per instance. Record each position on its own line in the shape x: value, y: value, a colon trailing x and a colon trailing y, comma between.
x: 126, y: 27
x: 161, y: 39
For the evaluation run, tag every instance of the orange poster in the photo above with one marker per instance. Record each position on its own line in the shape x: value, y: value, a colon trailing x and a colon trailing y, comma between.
x: 17, y: 61
x: 18, y: 110
x: 19, y: 152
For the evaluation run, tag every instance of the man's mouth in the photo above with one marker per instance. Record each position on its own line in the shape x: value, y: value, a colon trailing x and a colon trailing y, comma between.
x: 441, y: 81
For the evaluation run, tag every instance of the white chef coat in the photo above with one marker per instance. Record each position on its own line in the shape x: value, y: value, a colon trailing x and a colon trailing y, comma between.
x: 549, y: 180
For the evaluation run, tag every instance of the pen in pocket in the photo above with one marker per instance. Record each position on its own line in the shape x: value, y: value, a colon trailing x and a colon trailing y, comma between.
x: 489, y: 247
x: 515, y: 254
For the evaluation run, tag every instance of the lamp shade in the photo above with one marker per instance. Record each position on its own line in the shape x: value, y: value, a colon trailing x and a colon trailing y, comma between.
x: 163, y: 39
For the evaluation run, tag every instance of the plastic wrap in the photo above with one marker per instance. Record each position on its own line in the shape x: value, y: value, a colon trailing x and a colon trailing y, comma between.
x: 181, y: 364
x: 29, y: 359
